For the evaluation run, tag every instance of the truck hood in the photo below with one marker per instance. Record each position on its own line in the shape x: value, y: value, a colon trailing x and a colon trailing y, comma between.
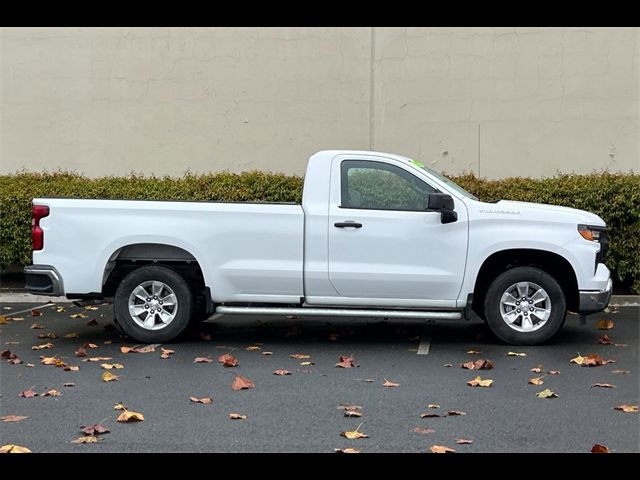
x: 559, y: 213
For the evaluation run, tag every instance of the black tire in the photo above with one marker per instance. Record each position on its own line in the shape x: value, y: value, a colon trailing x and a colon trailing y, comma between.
x: 525, y: 274
x: 184, y: 304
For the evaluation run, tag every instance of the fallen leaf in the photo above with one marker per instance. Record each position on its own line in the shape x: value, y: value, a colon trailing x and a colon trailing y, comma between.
x: 30, y: 365
x: 14, y: 449
x: 71, y: 368
x: 422, y: 431
x: 448, y: 365
x: 390, y: 384
x: 11, y: 357
x: 354, y: 434
x: 36, y: 326
x: 536, y: 381
x: 81, y: 352
x: 28, y: 393
x: 89, y: 345
x: 91, y: 307
x: 13, y: 418
x: 346, y: 450
x: 430, y: 415
x: 474, y: 352
x: 605, y: 340
x: 478, y: 365
x: 44, y: 345
x: 237, y: 416
x: 300, y: 356
x: 603, y: 385
x: 119, y: 406
x: 52, y: 361
x: 109, y: 366
x: 242, y: 383
x: 108, y: 342
x: 78, y: 315
x: 546, y: 393
x: 617, y: 370
x: 92, y: 323
x: 455, y: 413
x: 597, y: 448
x: 205, y: 400
x: 433, y: 405
x: 51, y: 393
x: 307, y: 364
x: 253, y: 348
x: 128, y: 416
x: 627, y: 408
x: 267, y: 353
x: 69, y: 384
x: 3, y: 320
x: 605, y: 324
x: 165, y: 352
x: 368, y: 380
x: 516, y: 354
x: 346, y: 361
x: 108, y: 377
x: 202, y: 360
x: 97, y: 359
x: 59, y: 309
x: 281, y: 372
x: 36, y: 313
x: 463, y: 441
x: 96, y: 429
x: 537, y: 369
x: 146, y: 349
x: 228, y: 360
x: 591, y: 360
x: 441, y: 449
x: 50, y: 335
x: 554, y: 372
x: 479, y: 382
x: 71, y: 336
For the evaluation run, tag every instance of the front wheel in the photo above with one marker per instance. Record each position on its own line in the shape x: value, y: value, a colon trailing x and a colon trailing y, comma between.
x: 153, y: 304
x: 525, y: 306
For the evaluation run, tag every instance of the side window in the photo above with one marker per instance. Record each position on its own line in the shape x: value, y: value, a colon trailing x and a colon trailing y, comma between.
x: 379, y: 186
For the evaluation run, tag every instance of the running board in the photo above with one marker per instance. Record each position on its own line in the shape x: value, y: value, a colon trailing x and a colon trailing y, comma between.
x: 338, y: 312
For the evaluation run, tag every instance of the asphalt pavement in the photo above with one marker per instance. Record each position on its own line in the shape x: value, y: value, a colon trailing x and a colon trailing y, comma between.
x: 299, y: 412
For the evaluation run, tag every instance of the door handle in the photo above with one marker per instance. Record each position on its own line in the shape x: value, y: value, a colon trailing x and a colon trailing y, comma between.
x: 350, y: 224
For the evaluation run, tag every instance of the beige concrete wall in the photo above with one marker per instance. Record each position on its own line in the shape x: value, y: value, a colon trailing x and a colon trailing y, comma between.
x: 498, y: 102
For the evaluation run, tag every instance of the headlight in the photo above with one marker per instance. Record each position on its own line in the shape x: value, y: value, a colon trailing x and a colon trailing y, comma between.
x: 591, y: 233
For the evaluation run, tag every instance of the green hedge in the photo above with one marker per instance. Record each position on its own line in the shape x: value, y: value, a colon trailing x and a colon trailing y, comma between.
x: 615, y: 197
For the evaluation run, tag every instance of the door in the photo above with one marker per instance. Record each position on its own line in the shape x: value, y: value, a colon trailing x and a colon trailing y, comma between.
x: 382, y: 242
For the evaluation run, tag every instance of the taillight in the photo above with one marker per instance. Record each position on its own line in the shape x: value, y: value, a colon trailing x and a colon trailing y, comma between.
x: 37, y: 235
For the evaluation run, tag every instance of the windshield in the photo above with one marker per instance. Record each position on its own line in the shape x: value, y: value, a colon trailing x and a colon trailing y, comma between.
x: 444, y: 179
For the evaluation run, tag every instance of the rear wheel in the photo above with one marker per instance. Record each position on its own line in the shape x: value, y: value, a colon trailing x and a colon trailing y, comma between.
x: 153, y: 304
x: 525, y: 306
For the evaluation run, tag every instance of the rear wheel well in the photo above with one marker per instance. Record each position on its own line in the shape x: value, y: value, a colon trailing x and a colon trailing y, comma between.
x: 552, y: 263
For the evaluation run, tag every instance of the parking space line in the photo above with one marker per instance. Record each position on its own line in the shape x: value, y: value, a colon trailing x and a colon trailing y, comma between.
x: 425, y: 343
x: 12, y: 313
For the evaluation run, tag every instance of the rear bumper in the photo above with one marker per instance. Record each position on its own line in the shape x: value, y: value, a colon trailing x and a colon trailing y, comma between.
x: 595, y: 301
x: 43, y: 280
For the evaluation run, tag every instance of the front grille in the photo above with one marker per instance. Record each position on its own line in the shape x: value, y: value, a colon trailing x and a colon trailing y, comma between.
x: 604, y: 246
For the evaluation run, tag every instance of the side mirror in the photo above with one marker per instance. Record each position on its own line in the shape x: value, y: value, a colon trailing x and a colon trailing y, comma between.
x: 443, y: 203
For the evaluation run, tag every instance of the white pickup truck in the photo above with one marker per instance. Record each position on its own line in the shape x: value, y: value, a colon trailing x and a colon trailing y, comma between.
x: 376, y: 235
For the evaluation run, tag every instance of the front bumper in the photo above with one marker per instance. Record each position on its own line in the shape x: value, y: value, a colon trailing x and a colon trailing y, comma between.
x: 43, y: 280
x: 595, y: 301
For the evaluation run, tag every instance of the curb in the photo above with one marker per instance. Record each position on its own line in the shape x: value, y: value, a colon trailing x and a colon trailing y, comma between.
x: 23, y: 297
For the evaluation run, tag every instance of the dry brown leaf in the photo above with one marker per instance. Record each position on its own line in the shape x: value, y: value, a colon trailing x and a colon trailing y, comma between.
x: 605, y: 340
x: 433, y: 405
x: 300, y: 356
x: 554, y: 372
x: 110, y: 366
x: 478, y: 365
x: 390, y: 384
x: 28, y: 393
x: 146, y: 349
x: 49, y: 335
x: 627, y: 408
x: 355, y: 434
x: 128, y: 416
x: 591, y: 360
x: 516, y: 354
x: 202, y: 360
x: 597, y: 448
x: 228, y: 360
x: 119, y: 406
x: 165, y: 352
x: 43, y: 346
x: 546, y: 393
x: 422, y: 430
x: 307, y: 364
x: 281, y: 372
x: 9, y: 448
x: 617, y: 370
x: 78, y: 315
x: 205, y: 400
x: 346, y: 361
x: 267, y: 353
x: 537, y: 369
x: 463, y: 441
x: 536, y: 381
x: 242, y: 383
x: 96, y: 429
x: 30, y: 365
x: 605, y: 324
x: 448, y: 365
x: 52, y: 361
x: 89, y: 345
x: 51, y: 393
x: 11, y: 357
x: 237, y: 416
x: 97, y: 359
x: 13, y: 418
x: 455, y: 413
x: 125, y: 349
x: 430, y: 415
x: 346, y: 450
x: 91, y: 307
x: 603, y: 385
x: 81, y: 352
x: 69, y: 384
x: 36, y: 313
x: 253, y: 348
x: 108, y: 377
x: 441, y: 449
x: 479, y: 382
x: 71, y: 368
x: 92, y: 323
x: 71, y: 336
x: 36, y: 326
x: 89, y: 439
x: 352, y: 413
x: 474, y: 352
x: 59, y: 309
